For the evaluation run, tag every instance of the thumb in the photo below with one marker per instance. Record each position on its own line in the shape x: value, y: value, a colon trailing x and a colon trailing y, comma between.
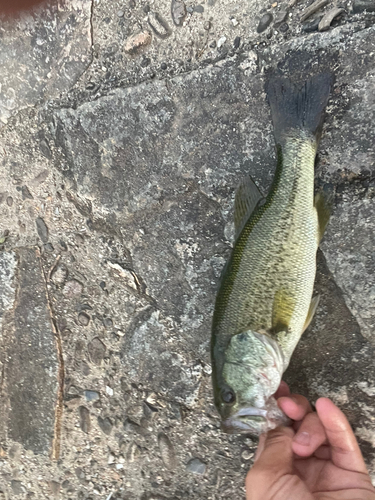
x: 277, y: 454
x: 272, y: 475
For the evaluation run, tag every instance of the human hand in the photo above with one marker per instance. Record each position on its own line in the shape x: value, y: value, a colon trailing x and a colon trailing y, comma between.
x: 316, y: 459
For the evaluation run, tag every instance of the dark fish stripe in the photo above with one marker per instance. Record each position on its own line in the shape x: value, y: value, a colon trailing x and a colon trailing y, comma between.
x: 229, y: 277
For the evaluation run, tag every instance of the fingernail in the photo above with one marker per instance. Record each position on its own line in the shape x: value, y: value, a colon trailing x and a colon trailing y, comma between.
x: 302, y: 438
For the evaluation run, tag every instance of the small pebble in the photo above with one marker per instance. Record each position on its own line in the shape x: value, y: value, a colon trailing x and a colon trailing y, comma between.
x: 136, y: 413
x: 237, y: 42
x: 9, y: 201
x: 163, y: 66
x: 4, y: 236
x: 280, y: 17
x: 72, y: 288
x: 196, y: 466
x: 213, y: 44
x: 199, y: 9
x: 45, y: 149
x: 80, y: 473
x: 274, y: 5
x: 105, y: 424
x: 221, y: 41
x: 55, y: 487
x: 26, y: 195
x: 79, y: 239
x: 84, y: 416
x: 145, y: 62
x: 133, y: 453
x: 137, y: 42
x: 167, y: 451
x: 59, y: 275
x: 66, y: 333
x: 42, y: 229
x: 178, y: 10
x: 314, y: 7
x: 207, y: 369
x: 83, y: 318
x: 91, y: 395
x: 362, y: 5
x: 247, y: 454
x: 265, y: 21
x: 328, y: 17
x: 109, y: 390
x: 132, y: 427
x: 207, y: 26
x: 48, y: 247
x: 120, y: 13
x: 96, y: 350
x: 85, y: 307
x: 234, y: 22
x: 107, y: 322
x: 158, y: 25
x: 312, y: 25
x: 41, y: 177
x: 283, y: 27
x: 17, y: 487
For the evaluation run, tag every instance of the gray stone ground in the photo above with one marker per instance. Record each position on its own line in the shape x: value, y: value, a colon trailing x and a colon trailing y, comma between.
x: 124, y: 134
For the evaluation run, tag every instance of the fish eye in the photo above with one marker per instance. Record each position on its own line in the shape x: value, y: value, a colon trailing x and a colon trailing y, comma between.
x: 228, y: 396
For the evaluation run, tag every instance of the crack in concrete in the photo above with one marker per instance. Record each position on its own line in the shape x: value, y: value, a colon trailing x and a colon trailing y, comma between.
x: 56, y: 442
x: 92, y: 28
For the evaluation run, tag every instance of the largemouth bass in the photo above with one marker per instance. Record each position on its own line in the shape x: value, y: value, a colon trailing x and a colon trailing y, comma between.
x: 265, y: 303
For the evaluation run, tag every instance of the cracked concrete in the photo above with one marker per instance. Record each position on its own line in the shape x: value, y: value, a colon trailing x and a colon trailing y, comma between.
x: 117, y: 174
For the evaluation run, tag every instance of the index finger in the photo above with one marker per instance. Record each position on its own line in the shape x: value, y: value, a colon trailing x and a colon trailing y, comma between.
x: 345, y: 452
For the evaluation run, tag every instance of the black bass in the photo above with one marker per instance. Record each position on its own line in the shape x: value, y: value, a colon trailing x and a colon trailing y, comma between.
x: 265, y: 303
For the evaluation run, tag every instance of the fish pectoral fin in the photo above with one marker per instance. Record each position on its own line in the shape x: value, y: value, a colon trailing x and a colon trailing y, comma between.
x: 313, y: 305
x: 323, y: 205
x: 247, y: 198
x: 282, y: 311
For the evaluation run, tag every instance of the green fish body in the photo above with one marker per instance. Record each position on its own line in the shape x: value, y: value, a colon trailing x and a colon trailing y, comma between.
x: 265, y: 298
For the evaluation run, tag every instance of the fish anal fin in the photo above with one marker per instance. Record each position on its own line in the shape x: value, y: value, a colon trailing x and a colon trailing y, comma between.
x: 313, y: 305
x: 247, y: 198
x: 282, y: 311
x: 323, y: 206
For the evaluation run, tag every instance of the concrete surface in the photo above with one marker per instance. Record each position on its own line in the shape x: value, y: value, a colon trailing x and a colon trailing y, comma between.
x: 125, y: 129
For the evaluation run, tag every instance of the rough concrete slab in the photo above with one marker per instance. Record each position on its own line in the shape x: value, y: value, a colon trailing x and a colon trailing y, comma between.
x: 8, y: 265
x: 30, y: 361
x: 45, y: 53
x: 349, y: 249
x: 124, y: 177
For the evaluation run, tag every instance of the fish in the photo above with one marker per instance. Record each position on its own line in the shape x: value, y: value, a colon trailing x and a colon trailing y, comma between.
x: 265, y: 297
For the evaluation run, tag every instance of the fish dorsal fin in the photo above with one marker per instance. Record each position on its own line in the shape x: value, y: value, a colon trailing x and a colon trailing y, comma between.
x: 282, y: 311
x: 323, y: 205
x: 247, y: 198
x: 313, y: 305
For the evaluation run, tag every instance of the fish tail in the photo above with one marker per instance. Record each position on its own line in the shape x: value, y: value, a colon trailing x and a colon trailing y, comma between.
x: 296, y: 108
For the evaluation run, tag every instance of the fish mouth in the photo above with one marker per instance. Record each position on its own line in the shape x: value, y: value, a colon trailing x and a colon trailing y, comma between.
x: 246, y: 420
